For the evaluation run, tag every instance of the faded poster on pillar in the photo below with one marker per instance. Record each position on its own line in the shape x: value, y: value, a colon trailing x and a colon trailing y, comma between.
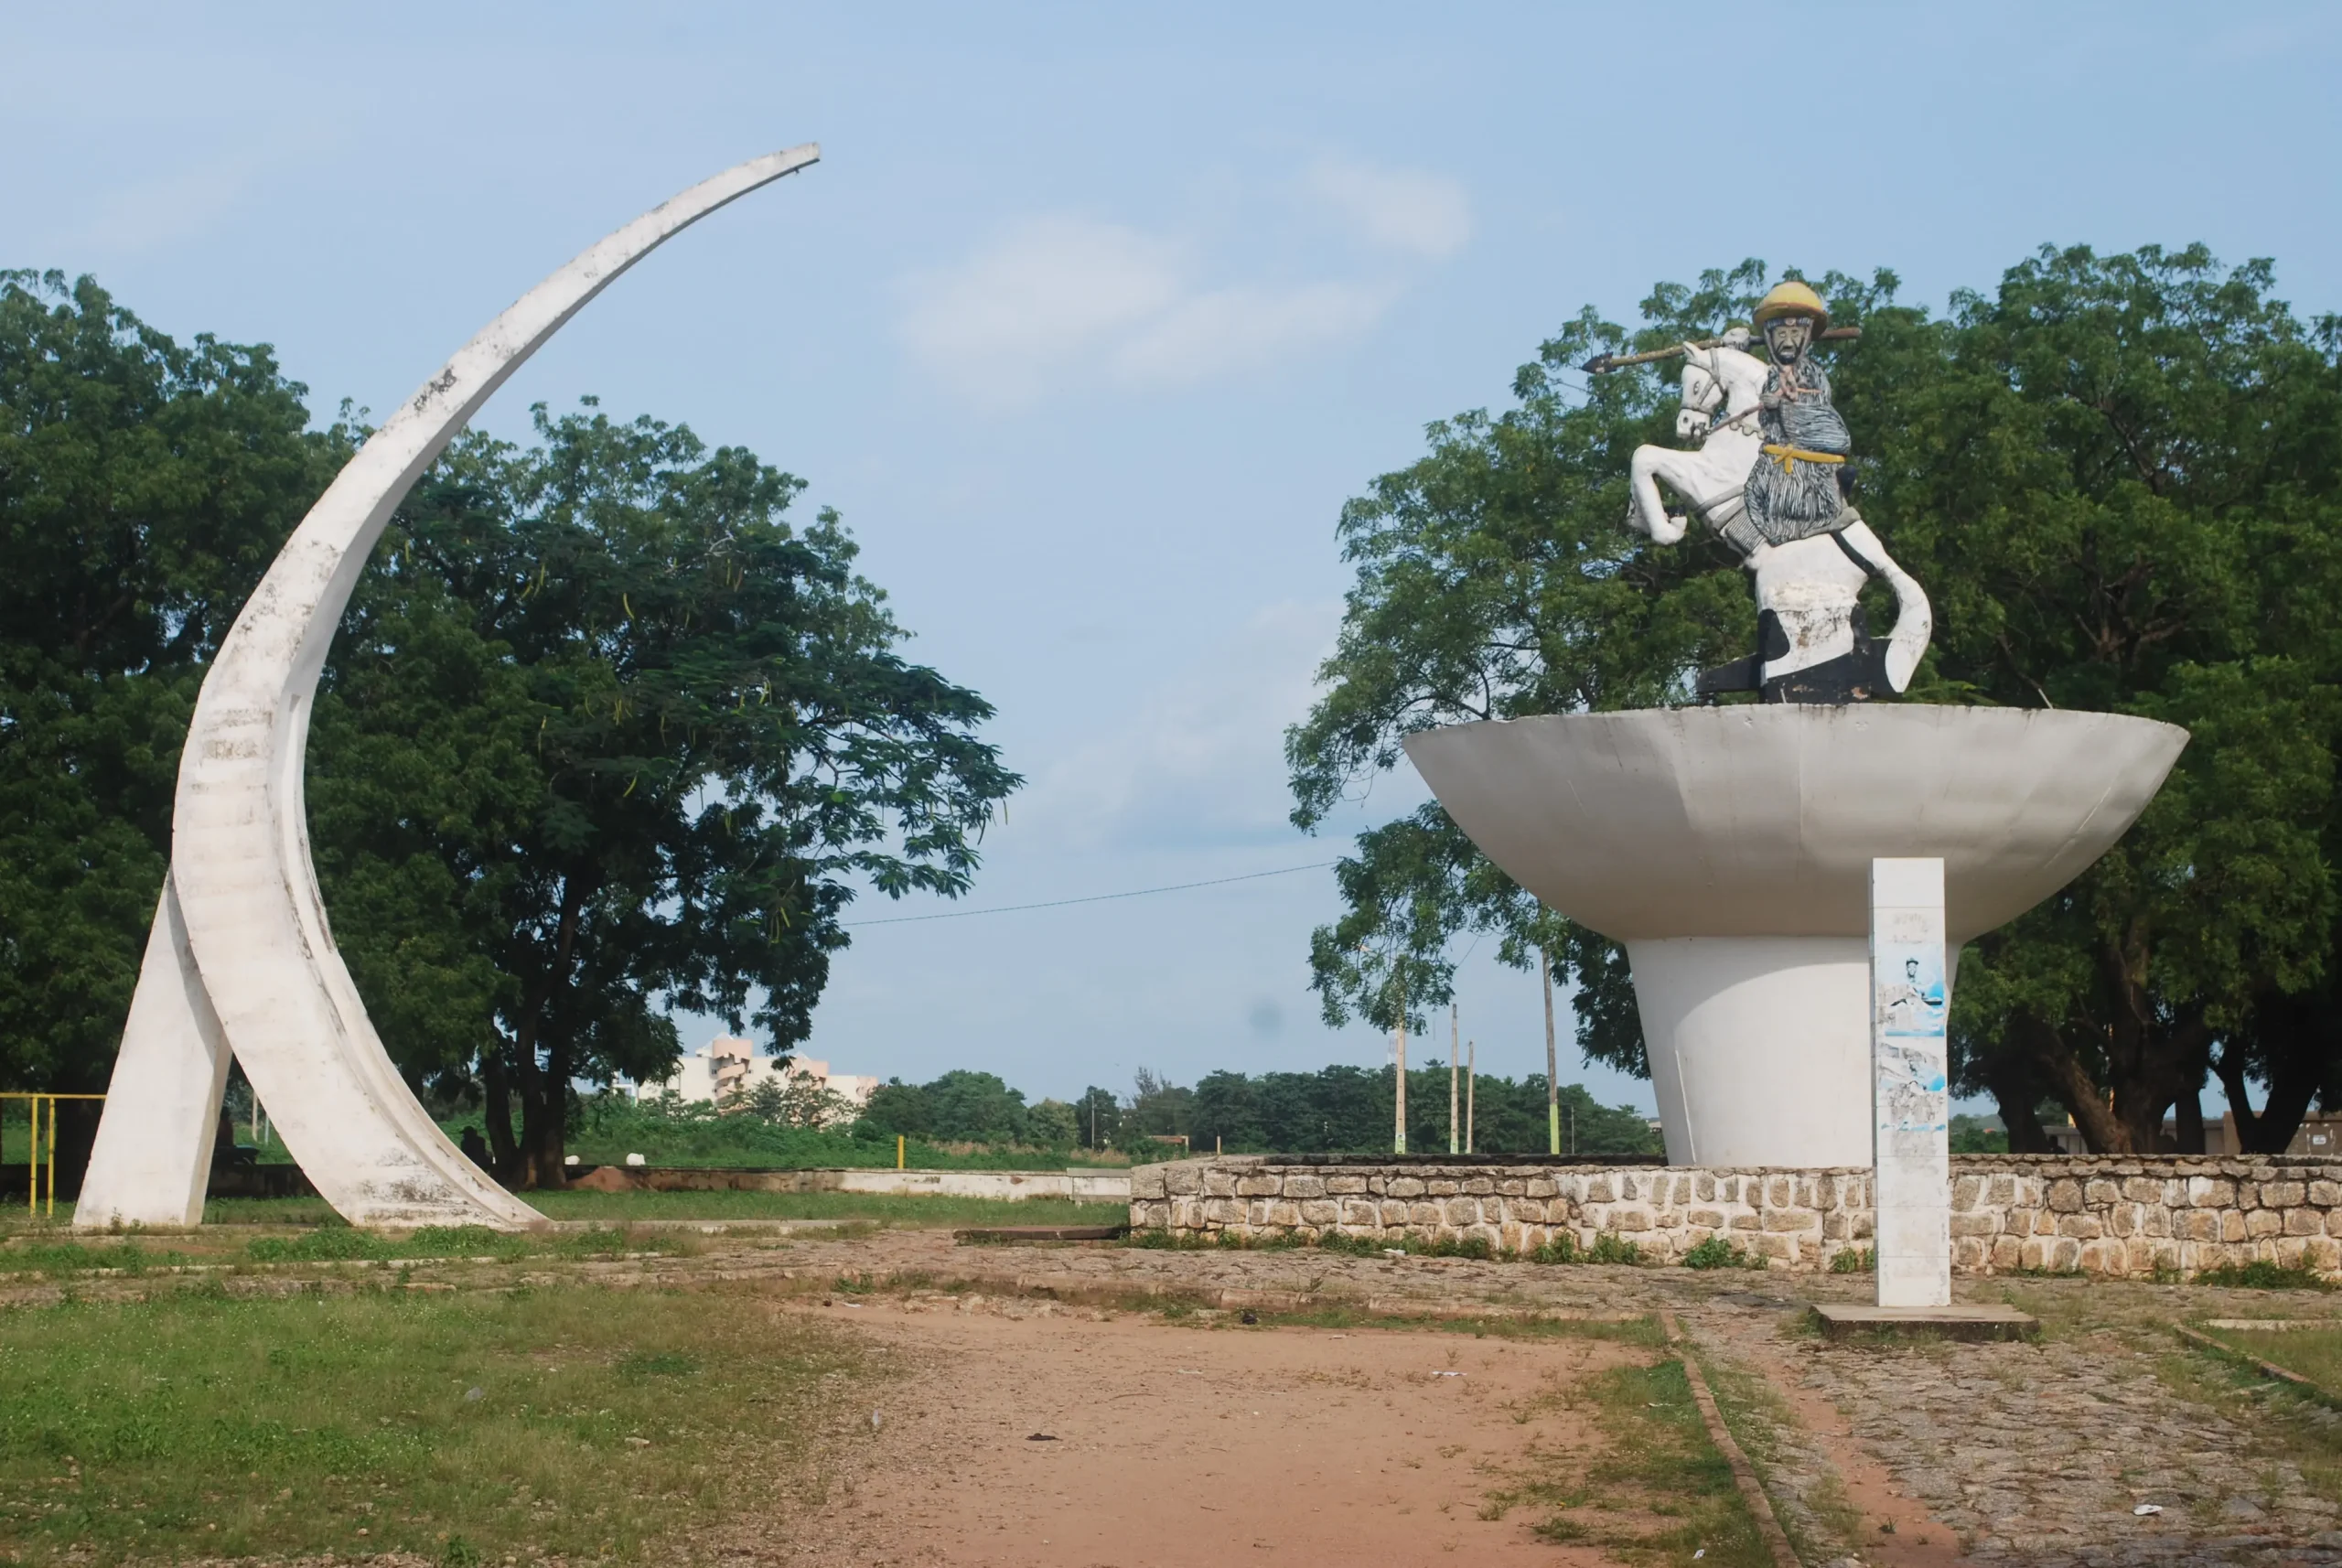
x: 1914, y: 1102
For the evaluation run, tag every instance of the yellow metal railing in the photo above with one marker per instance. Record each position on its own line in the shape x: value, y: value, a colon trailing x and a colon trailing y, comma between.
x: 32, y: 1166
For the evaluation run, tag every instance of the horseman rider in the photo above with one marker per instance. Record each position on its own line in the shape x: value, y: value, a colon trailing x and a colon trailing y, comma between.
x: 1794, y: 491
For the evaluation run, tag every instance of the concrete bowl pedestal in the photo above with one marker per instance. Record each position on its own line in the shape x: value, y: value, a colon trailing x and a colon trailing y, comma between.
x: 1729, y: 849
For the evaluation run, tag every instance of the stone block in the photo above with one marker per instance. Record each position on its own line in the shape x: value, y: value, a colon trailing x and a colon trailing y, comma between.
x: 1703, y: 1187
x: 1969, y: 1254
x: 2199, y: 1225
x: 2304, y: 1222
x: 1962, y: 1225
x: 1541, y: 1186
x: 2066, y: 1196
x: 1443, y: 1186
x: 2100, y: 1191
x: 1184, y: 1180
x: 1635, y: 1218
x: 2144, y: 1189
x: 1462, y: 1211
x: 1531, y: 1210
x: 2081, y: 1226
x: 1222, y: 1211
x: 1346, y: 1186
x: 1513, y: 1187
x: 1320, y: 1212
x: 2001, y: 1191
x: 1747, y: 1223
x: 2326, y: 1193
x: 2262, y: 1222
x: 1426, y: 1213
x: 2232, y: 1225
x: 1147, y: 1181
x: 1965, y: 1190
x: 1708, y: 1218
x: 1283, y: 1212
x: 1773, y: 1245
x: 1840, y: 1225
x: 2008, y: 1253
x: 1218, y: 1183
x: 1598, y: 1188
x: 1259, y: 1185
x: 1394, y: 1213
x: 1787, y: 1219
x: 2210, y: 1192
x: 1779, y: 1192
x: 1479, y: 1185
x: 2104, y: 1257
x: 1405, y: 1186
x: 2283, y: 1194
x: 1300, y: 1186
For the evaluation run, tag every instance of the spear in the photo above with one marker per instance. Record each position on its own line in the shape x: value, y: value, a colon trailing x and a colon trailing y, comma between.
x: 1601, y: 363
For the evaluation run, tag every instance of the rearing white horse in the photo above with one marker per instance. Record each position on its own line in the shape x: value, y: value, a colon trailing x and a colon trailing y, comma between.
x: 1810, y: 586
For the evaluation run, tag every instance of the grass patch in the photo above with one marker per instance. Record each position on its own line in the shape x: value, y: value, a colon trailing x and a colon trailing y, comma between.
x: 881, y: 1209
x: 338, y: 1243
x: 1654, y: 1489
x: 1854, y: 1261
x: 2312, y: 1353
x: 580, y: 1422
x: 1640, y: 1331
x: 2262, y: 1274
x: 84, y: 1257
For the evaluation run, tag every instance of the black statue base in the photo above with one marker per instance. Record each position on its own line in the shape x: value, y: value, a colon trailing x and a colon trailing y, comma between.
x: 1855, y: 677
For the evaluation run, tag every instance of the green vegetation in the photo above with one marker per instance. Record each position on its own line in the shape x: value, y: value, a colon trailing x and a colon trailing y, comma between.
x: 2119, y: 477
x: 579, y: 1423
x: 1854, y: 1261
x: 2262, y: 1274
x: 1720, y: 1252
x: 2312, y: 1353
x: 1654, y: 1489
x: 667, y: 1131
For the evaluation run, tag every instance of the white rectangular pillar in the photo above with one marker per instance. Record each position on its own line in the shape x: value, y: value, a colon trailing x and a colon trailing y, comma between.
x: 1911, y: 1095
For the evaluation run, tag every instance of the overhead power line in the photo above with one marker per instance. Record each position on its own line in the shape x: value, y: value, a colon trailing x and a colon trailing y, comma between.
x: 1093, y: 899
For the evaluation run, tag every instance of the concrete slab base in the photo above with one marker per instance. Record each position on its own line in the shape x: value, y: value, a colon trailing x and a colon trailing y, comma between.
x: 1847, y: 1320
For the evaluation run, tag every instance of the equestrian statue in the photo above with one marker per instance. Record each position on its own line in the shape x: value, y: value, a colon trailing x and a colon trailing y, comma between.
x: 1770, y: 475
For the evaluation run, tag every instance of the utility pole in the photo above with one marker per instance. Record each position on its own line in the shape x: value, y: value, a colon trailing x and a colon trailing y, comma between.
x: 1399, y: 1100
x: 1471, y: 1090
x: 1553, y: 1071
x: 1452, y: 1053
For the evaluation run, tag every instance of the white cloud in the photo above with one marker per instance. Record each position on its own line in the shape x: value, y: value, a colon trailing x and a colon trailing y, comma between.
x: 1404, y: 209
x: 159, y: 211
x: 1040, y: 298
x: 1064, y: 301
x: 1241, y: 329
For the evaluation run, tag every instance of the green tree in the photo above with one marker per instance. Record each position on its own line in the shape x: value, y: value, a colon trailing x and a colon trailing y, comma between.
x: 896, y: 1109
x: 1052, y: 1123
x: 144, y: 485
x: 975, y: 1107
x: 2117, y: 477
x: 667, y: 732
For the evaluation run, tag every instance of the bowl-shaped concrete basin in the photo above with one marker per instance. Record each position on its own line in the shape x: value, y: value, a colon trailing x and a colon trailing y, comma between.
x: 1763, y: 820
x: 1730, y: 848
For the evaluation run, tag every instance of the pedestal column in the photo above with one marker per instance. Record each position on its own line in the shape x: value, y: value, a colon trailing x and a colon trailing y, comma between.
x: 1910, y: 1097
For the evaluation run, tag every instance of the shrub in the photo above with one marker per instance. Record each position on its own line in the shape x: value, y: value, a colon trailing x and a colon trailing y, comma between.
x: 1854, y: 1261
x: 1609, y: 1247
x: 1716, y: 1253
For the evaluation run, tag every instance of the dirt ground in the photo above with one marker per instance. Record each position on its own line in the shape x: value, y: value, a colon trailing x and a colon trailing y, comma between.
x: 1071, y: 1440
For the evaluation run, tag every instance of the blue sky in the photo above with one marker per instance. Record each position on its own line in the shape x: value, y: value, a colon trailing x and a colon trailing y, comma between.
x: 1090, y: 320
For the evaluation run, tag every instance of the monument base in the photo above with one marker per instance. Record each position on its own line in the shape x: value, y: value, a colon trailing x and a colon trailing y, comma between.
x: 1976, y: 1322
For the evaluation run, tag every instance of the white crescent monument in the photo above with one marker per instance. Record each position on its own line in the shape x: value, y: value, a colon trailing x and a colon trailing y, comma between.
x: 241, y: 960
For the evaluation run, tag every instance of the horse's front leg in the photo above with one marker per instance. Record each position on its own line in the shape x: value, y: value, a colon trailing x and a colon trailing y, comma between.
x: 1646, y: 510
x: 1914, y: 621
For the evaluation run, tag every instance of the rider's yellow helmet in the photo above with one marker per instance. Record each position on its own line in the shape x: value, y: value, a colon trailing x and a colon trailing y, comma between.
x: 1793, y: 298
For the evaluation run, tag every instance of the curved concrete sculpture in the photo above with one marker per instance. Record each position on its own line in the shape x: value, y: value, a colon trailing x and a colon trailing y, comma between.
x: 240, y: 959
x: 1729, y: 848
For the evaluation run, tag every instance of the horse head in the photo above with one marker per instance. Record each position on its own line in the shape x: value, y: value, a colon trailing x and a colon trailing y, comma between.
x: 1701, y: 392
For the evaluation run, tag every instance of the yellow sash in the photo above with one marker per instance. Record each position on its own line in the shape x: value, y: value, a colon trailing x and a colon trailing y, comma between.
x: 1790, y: 457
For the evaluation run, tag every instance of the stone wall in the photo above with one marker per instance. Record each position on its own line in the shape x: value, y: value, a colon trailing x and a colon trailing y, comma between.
x: 2101, y: 1215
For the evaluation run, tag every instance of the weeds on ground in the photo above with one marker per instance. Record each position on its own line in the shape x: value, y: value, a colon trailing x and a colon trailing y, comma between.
x: 1717, y: 1252
x: 2262, y: 1274
x: 1653, y: 1489
x: 346, y: 1244
x: 1854, y: 1261
x: 2282, y: 1420
x: 575, y: 1422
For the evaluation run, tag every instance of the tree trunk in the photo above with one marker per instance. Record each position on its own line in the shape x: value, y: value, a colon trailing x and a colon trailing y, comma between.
x: 2014, y: 1091
x: 2072, y: 1084
x: 2188, y: 1122
x: 497, y: 1086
